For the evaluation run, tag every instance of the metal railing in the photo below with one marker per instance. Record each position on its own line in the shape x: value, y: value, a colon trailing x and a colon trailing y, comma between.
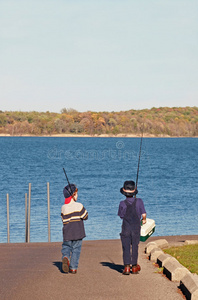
x: 27, y: 215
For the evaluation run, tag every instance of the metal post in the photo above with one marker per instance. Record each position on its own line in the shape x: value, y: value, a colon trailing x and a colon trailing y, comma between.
x: 26, y: 219
x: 8, y: 221
x: 28, y: 240
x: 48, y: 204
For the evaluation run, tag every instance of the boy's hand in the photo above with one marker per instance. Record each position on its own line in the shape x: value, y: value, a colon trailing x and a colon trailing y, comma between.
x: 143, y: 219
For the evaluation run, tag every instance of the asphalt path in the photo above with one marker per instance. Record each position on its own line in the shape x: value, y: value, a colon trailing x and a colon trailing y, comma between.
x: 33, y: 271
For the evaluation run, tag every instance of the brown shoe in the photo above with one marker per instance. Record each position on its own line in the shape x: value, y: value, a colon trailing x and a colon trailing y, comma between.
x: 65, y: 265
x: 72, y: 271
x: 126, y: 270
x: 136, y: 269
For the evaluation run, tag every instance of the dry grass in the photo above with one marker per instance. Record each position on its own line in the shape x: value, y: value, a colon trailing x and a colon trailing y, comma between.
x: 186, y: 255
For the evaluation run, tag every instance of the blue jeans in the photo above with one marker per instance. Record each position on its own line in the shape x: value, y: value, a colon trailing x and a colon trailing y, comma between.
x: 72, y: 249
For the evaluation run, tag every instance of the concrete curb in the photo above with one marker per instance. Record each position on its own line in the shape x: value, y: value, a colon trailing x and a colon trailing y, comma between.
x: 191, y: 242
x: 172, y: 268
x: 155, y: 253
x: 162, y: 243
x: 189, y: 286
x: 163, y: 258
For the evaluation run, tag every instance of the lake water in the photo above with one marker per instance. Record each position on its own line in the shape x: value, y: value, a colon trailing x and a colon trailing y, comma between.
x: 168, y: 183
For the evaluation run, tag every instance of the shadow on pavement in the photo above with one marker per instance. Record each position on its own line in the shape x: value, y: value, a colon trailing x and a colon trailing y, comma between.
x: 118, y: 268
x: 58, y: 264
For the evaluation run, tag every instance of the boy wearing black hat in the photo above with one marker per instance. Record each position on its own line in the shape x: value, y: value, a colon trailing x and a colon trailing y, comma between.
x: 72, y: 213
x: 131, y: 210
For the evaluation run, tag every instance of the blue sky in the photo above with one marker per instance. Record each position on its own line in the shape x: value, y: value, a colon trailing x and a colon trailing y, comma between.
x: 98, y: 55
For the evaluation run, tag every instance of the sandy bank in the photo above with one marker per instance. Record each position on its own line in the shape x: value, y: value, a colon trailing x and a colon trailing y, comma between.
x: 98, y: 136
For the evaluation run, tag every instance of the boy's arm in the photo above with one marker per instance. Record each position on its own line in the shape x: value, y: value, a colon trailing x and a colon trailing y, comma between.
x: 122, y: 209
x: 142, y: 211
x: 62, y: 213
x: 143, y: 218
x: 84, y: 214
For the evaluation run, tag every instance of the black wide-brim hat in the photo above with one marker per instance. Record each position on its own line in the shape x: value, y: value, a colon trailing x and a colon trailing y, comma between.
x: 129, y: 189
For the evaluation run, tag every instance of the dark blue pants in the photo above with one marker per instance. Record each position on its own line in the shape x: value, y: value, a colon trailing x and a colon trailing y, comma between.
x: 130, y: 245
x: 130, y: 235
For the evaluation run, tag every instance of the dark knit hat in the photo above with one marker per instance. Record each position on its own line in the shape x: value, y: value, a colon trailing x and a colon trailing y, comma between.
x: 128, y: 189
x: 69, y: 190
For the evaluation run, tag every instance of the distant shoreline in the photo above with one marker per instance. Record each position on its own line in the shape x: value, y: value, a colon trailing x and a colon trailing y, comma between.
x: 98, y: 136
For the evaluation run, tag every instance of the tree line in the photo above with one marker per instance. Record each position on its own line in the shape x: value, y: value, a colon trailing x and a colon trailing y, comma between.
x: 162, y: 121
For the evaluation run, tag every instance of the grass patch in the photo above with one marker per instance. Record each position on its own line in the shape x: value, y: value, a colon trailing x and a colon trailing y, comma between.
x: 159, y: 270
x: 187, y: 256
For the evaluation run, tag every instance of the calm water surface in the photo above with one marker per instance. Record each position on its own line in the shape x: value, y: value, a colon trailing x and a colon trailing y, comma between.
x: 168, y: 183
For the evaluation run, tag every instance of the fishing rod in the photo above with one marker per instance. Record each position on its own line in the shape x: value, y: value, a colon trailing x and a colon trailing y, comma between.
x: 139, y: 157
x: 70, y: 189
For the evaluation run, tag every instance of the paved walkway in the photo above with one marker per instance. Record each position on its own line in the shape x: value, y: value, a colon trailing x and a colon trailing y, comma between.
x: 33, y: 271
